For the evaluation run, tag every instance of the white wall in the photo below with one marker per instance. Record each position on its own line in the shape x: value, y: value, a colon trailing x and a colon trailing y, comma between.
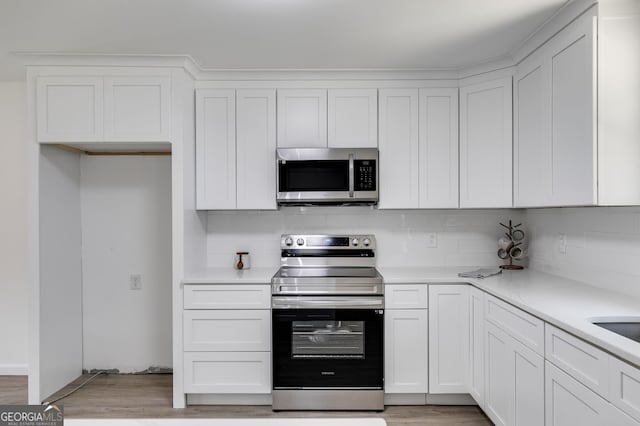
x: 465, y: 237
x: 603, y: 245
x: 13, y: 229
x: 126, y: 229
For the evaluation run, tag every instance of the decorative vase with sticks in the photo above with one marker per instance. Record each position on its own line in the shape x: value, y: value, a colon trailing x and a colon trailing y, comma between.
x: 512, y: 245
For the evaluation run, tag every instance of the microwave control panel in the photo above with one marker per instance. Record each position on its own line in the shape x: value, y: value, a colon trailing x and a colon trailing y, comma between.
x: 365, y: 175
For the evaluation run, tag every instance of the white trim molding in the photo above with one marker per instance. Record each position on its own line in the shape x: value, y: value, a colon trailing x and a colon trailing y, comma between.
x: 14, y: 369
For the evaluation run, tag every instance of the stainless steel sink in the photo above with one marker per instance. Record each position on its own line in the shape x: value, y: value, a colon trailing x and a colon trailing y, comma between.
x: 628, y: 327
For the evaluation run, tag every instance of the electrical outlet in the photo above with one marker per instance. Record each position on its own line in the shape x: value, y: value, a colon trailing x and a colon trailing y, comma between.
x: 562, y: 243
x: 135, y: 282
x: 432, y: 239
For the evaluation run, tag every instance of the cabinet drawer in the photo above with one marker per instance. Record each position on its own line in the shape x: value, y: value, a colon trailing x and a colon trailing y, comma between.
x: 405, y: 296
x: 227, y: 372
x: 238, y: 296
x: 248, y: 330
x: 582, y: 361
x: 625, y: 387
x: 520, y: 325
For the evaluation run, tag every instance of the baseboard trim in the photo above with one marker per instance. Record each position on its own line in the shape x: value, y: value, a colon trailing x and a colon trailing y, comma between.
x: 14, y: 369
x: 228, y: 399
x: 450, y: 399
x: 405, y: 399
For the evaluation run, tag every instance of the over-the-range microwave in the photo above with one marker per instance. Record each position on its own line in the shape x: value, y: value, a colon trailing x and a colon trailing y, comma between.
x: 329, y: 176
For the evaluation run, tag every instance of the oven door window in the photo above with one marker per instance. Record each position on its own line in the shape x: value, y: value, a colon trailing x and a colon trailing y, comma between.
x: 327, y: 339
x: 315, y: 175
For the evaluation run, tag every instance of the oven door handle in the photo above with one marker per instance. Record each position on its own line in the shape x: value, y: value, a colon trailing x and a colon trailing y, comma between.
x: 280, y: 302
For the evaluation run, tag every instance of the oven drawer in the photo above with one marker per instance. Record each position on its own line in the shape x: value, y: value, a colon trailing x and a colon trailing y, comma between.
x: 406, y: 296
x: 242, y: 330
x: 227, y: 372
x: 238, y: 296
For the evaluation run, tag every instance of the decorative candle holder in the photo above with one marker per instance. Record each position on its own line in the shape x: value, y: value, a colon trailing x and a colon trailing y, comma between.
x: 511, y: 246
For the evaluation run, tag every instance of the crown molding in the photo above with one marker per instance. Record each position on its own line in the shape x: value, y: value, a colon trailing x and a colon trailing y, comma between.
x: 568, y: 13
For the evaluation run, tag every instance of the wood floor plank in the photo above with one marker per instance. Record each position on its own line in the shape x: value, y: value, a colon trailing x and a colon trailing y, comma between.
x: 137, y: 396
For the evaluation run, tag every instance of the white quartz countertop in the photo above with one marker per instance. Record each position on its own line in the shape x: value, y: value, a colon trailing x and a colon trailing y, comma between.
x: 231, y: 276
x: 567, y: 304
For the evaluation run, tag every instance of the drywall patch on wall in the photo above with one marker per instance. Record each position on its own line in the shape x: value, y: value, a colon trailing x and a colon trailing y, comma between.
x: 13, y: 228
x: 126, y: 230
x: 464, y: 237
x: 602, y: 245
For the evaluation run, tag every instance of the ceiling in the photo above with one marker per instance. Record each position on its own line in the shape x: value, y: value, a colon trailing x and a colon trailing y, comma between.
x: 275, y: 34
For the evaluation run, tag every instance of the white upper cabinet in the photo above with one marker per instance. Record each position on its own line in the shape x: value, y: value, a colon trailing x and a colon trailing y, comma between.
x: 235, y: 149
x: 216, y: 149
x: 70, y: 109
x: 103, y: 109
x: 352, y: 118
x: 137, y: 108
x: 486, y: 144
x: 576, y: 103
x: 532, y: 147
x: 438, y: 148
x: 302, y: 118
x: 256, y: 149
x: 399, y: 148
x: 572, y: 119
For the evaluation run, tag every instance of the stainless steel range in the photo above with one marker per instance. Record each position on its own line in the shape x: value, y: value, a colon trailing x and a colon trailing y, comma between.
x: 328, y: 324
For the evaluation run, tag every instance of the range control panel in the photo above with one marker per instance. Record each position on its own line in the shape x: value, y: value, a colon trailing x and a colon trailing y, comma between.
x: 345, y: 242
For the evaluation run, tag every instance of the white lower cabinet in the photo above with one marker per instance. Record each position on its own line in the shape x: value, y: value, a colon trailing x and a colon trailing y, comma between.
x: 227, y: 372
x: 476, y: 345
x: 406, y: 341
x: 569, y: 403
x: 448, y: 338
x: 514, y: 380
x: 625, y: 387
x: 227, y: 350
x: 405, y: 357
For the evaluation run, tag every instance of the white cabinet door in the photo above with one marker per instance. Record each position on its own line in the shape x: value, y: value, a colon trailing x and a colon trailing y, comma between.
x: 398, y: 145
x: 302, y: 118
x: 70, y: 109
x: 215, y: 149
x: 352, y: 118
x: 405, y: 354
x: 486, y: 144
x: 573, y: 83
x: 625, y: 387
x: 438, y: 148
x: 227, y: 372
x: 256, y: 149
x: 528, y: 386
x: 476, y: 345
x: 448, y: 338
x: 532, y: 145
x: 137, y: 109
x: 498, y: 379
x: 569, y: 403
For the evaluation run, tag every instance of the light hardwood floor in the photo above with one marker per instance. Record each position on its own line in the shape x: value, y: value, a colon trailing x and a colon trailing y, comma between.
x: 128, y: 396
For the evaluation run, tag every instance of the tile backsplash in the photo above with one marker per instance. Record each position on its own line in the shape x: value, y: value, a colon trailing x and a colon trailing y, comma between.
x: 464, y: 237
x: 602, y: 245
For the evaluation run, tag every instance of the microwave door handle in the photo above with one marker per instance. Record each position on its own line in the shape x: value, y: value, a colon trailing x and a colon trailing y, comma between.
x: 351, y: 176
